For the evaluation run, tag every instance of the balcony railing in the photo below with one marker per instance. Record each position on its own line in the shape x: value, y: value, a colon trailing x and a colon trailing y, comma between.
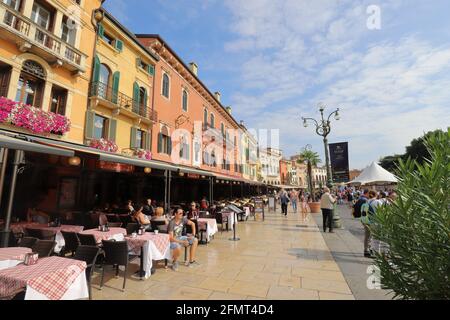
x: 22, y: 26
x: 102, y: 91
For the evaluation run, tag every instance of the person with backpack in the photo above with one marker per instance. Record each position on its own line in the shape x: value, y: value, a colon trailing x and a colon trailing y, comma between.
x: 368, y: 210
x: 327, y: 202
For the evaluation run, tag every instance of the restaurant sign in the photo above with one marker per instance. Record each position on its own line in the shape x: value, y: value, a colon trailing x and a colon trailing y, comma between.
x: 114, y: 166
x: 193, y: 176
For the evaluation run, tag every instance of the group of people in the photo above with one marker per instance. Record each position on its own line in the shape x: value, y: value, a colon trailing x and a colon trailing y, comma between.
x: 173, y: 225
x: 295, y: 198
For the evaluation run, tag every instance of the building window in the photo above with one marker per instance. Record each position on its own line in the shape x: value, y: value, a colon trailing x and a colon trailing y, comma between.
x: 166, y: 86
x: 143, y: 98
x: 104, y: 82
x: 5, y: 77
x: 205, y: 118
x: 41, y: 16
x: 185, y: 101
x: 100, y: 127
x: 30, y: 88
x: 139, y: 139
x: 164, y: 142
x: 13, y: 4
x: 69, y: 32
x: 212, y: 118
x: 58, y: 101
x: 222, y: 129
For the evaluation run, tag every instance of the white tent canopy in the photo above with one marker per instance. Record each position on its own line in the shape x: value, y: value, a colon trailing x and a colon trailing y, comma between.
x: 375, y: 175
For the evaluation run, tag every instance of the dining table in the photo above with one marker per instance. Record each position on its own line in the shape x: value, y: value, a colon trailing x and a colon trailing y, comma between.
x: 208, y: 224
x: 11, y: 257
x: 117, y: 234
x: 52, y: 278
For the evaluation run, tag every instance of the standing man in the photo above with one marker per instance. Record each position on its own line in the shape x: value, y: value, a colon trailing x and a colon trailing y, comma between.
x: 327, y: 202
x: 284, y: 199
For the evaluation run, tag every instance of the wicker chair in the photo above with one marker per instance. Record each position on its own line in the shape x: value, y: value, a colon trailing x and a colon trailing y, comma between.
x: 44, y: 248
x: 88, y: 254
x: 71, y: 242
x: 28, y: 242
x: 116, y: 254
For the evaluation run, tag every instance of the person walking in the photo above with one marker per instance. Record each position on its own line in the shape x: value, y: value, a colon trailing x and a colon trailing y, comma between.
x: 327, y: 202
x: 304, y: 200
x: 367, y: 213
x: 294, y: 199
x: 284, y: 199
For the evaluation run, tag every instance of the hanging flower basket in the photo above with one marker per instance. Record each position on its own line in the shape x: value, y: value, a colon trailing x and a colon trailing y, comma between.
x: 143, y: 154
x: 103, y: 145
x: 33, y: 119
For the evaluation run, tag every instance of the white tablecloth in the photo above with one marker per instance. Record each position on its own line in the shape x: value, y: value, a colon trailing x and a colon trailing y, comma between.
x: 211, y: 227
x: 5, y: 264
x: 78, y: 290
x: 231, y: 220
x: 152, y: 253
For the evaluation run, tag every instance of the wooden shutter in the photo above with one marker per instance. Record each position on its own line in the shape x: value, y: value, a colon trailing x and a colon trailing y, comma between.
x: 101, y: 30
x: 147, y: 140
x: 151, y: 69
x: 62, y: 103
x: 136, y: 97
x: 89, y: 127
x: 118, y: 45
x: 144, y: 112
x: 96, y: 72
x: 115, y: 86
x: 112, y: 129
x: 5, y: 77
x: 169, y: 146
x: 160, y: 137
x: 133, y: 138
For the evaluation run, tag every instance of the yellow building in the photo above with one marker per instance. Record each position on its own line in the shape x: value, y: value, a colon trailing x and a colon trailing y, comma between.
x: 121, y: 91
x: 46, y: 50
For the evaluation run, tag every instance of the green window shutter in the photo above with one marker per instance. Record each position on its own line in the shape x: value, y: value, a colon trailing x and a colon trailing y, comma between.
x: 119, y: 45
x: 160, y: 138
x: 136, y: 97
x: 151, y: 69
x: 147, y: 140
x: 96, y: 72
x: 169, y: 149
x: 89, y: 129
x: 112, y: 129
x: 133, y: 138
x: 144, y: 112
x: 116, y: 81
x: 101, y: 30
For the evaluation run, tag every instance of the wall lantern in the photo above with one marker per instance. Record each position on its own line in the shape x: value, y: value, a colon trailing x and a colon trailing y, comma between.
x: 147, y: 170
x: 74, y: 161
x: 181, y: 174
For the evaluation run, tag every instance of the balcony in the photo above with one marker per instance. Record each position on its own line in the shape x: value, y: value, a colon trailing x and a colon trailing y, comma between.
x: 32, y: 38
x: 106, y: 96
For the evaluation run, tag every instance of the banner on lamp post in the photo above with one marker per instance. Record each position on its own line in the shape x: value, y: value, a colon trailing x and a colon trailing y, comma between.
x: 339, y: 162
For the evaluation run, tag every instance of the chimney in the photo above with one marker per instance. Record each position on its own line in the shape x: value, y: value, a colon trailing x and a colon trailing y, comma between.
x: 194, y: 68
x: 217, y: 95
x: 228, y: 109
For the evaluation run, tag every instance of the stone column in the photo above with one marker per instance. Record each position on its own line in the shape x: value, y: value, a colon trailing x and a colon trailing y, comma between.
x: 28, y: 8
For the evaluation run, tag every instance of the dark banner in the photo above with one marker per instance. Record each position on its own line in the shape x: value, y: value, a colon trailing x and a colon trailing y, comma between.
x: 339, y: 162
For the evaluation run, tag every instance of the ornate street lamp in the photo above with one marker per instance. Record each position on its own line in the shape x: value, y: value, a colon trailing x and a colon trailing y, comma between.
x: 323, y: 129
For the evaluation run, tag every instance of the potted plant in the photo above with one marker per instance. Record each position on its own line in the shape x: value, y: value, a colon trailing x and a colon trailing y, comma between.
x: 311, y: 159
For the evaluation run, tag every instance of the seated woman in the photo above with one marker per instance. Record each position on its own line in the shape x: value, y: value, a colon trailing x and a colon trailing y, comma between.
x: 37, y: 216
x: 142, y: 219
x: 159, y: 217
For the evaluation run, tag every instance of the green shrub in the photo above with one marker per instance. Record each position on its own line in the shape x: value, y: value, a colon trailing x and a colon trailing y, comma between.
x: 417, y: 227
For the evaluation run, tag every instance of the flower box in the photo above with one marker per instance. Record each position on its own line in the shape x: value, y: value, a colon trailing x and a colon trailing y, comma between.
x: 143, y: 154
x: 33, y: 119
x: 103, y: 145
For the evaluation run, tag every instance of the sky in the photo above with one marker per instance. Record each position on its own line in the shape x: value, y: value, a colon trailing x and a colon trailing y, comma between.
x: 385, y: 64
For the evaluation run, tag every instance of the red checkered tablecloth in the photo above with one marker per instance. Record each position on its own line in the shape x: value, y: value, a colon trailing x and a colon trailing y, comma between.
x: 19, y: 227
x: 66, y: 228
x: 108, y: 235
x: 13, y: 253
x: 161, y: 242
x: 51, y: 277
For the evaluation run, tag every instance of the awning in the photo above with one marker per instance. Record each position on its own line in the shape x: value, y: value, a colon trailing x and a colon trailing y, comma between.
x: 16, y: 143
x: 223, y: 177
x: 135, y: 162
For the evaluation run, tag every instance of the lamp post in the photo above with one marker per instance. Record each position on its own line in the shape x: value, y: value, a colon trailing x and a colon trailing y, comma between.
x: 323, y: 129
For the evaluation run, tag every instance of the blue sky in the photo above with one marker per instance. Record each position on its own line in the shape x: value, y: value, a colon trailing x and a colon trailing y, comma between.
x: 275, y: 60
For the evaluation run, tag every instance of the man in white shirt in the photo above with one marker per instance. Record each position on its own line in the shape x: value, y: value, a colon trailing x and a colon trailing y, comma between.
x: 327, y: 205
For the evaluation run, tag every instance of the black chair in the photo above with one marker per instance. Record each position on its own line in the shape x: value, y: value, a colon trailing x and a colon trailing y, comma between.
x: 71, y: 242
x: 116, y: 254
x: 159, y: 225
x: 220, y: 219
x: 87, y: 239
x: 28, y: 242
x: 132, y: 227
x: 88, y: 254
x: 114, y: 224
x: 44, y: 248
x: 12, y: 240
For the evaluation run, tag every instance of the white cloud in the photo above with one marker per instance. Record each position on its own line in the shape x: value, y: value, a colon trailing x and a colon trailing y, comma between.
x: 391, y: 89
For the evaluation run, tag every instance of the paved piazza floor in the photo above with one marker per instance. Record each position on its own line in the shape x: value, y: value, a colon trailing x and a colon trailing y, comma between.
x: 281, y: 258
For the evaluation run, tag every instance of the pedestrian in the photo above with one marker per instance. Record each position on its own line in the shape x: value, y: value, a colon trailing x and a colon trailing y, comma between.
x: 294, y: 199
x: 304, y: 200
x: 367, y: 213
x: 284, y: 199
x: 327, y: 202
